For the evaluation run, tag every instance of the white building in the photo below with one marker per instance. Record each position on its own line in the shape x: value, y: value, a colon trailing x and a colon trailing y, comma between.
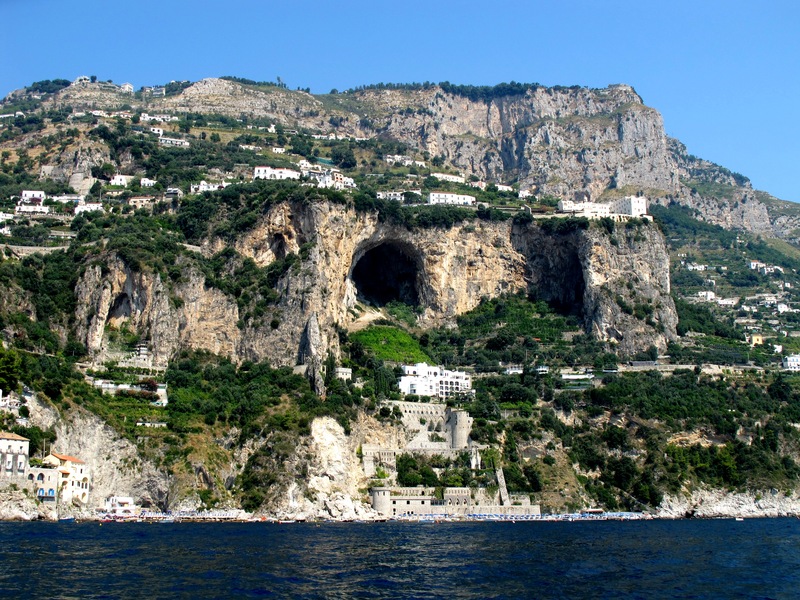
x: 126, y: 88
x: 504, y: 188
x: 448, y: 177
x: 13, y: 454
x: 29, y: 195
x: 34, y: 207
x: 157, y: 130
x: 791, y: 362
x: 204, y: 186
x: 525, y: 194
x: 632, y: 206
x: 278, y: 150
x: 89, y: 207
x: 121, y: 507
x: 436, y: 382
x: 73, y: 481
x: 449, y: 198
x: 398, y: 196
x: 147, y: 183
x: 67, y: 198
x: 706, y: 296
x: 271, y: 173
x: 173, y: 142
x: 121, y: 180
x: 333, y: 179
x: 584, y: 209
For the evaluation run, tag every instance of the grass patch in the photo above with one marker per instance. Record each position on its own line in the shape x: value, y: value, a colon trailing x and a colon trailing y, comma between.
x: 391, y: 344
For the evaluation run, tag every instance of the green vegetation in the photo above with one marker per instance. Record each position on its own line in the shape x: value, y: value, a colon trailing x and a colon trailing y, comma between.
x: 390, y: 344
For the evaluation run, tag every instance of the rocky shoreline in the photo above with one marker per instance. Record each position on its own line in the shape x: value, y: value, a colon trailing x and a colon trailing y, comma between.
x: 15, y: 505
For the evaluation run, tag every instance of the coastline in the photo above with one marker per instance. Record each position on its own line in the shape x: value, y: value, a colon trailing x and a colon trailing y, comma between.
x: 15, y: 505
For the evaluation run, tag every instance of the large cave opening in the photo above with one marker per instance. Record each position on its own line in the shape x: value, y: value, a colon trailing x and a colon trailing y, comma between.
x: 387, y: 273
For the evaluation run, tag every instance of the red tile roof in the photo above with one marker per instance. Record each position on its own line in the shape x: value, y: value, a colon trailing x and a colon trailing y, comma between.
x: 68, y: 458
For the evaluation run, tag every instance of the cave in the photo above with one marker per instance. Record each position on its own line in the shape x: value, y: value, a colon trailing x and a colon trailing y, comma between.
x: 120, y: 308
x: 387, y: 273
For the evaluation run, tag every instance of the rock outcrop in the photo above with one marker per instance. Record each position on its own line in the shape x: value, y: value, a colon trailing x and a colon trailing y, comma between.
x: 446, y: 271
x: 715, y: 503
x: 115, y: 464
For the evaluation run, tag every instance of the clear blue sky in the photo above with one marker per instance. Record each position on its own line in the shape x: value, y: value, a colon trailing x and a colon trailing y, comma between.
x: 724, y: 74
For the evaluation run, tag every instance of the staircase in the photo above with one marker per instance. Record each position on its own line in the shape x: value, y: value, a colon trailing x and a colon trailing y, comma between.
x: 501, y: 482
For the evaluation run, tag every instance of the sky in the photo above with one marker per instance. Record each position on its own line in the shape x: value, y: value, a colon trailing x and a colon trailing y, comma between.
x: 725, y: 75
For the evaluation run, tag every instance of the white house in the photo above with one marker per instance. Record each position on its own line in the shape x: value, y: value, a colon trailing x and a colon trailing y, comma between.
x: 524, y: 194
x: 729, y: 302
x: 173, y: 142
x: 89, y: 207
x: 204, y: 186
x: 28, y: 195
x: 157, y: 131
x: 271, y: 173
x: 126, y: 88
x: 73, y: 481
x: 147, y: 183
x: 448, y: 177
x: 791, y: 362
x: 13, y: 454
x: 34, y: 207
x: 436, y: 382
x: 449, y: 198
x: 68, y: 198
x: 504, y: 188
x: 121, y: 180
x: 278, y: 150
x: 706, y: 296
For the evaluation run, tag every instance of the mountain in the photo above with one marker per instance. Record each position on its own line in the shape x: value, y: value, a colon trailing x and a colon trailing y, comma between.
x: 565, y: 142
x: 277, y: 311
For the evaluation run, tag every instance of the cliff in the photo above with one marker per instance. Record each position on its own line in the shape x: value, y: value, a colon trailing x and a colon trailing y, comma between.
x: 568, y: 142
x: 354, y: 257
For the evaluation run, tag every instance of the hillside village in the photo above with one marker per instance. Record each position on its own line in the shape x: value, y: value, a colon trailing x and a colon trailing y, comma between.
x: 511, y: 407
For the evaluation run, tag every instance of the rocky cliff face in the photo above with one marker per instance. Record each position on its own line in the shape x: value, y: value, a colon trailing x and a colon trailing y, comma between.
x: 715, y: 503
x: 355, y: 257
x: 115, y: 464
x: 594, y: 143
x: 619, y: 281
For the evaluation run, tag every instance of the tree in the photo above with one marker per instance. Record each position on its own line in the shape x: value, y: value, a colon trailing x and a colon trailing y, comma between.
x: 10, y: 370
x: 343, y: 157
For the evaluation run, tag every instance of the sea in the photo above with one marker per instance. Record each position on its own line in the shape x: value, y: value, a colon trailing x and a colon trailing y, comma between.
x: 758, y: 558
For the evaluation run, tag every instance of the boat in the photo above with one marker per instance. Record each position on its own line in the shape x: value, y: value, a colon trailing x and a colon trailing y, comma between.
x: 66, y: 519
x: 740, y: 518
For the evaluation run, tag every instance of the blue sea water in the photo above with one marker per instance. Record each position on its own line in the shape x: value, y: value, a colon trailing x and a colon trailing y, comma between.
x: 643, y: 559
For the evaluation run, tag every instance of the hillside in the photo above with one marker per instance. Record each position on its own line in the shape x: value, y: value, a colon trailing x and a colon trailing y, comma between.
x: 277, y: 312
x: 564, y: 142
